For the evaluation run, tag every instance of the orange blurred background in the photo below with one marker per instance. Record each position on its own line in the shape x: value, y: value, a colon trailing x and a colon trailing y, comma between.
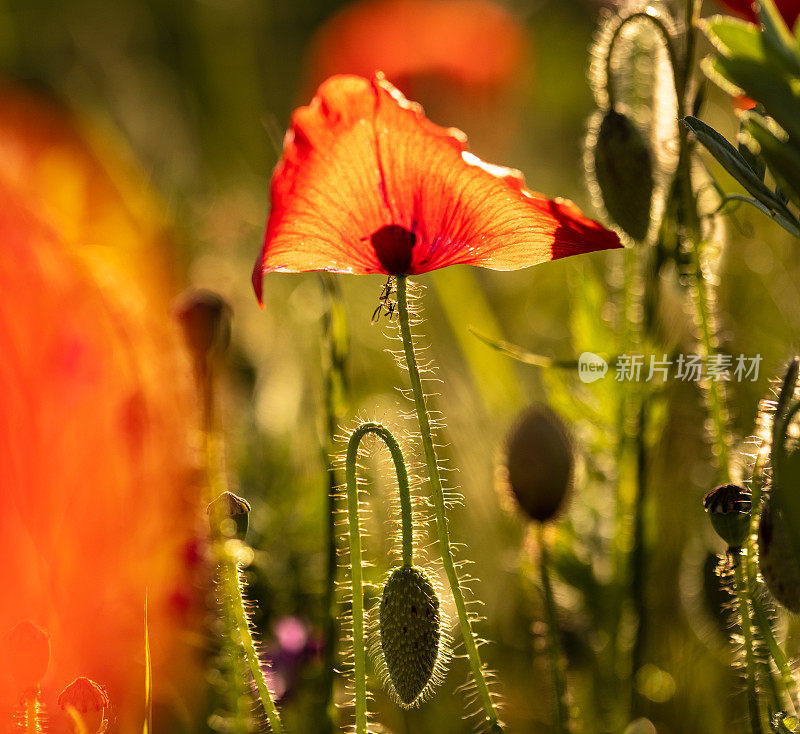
x: 97, y: 485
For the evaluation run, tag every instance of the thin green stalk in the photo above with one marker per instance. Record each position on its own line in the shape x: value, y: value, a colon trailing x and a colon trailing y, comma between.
x: 356, y: 571
x: 335, y: 390
x: 233, y: 603
x: 232, y: 591
x: 764, y: 625
x: 749, y: 655
x: 558, y: 675
x: 437, y: 493
x: 240, y: 716
x: 716, y: 398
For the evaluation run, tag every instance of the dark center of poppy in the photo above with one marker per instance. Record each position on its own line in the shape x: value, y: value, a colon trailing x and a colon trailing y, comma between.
x: 393, y: 245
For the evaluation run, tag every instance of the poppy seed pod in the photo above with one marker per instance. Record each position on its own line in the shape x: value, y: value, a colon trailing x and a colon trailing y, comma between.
x: 206, y: 320
x: 623, y: 169
x: 776, y: 559
x: 26, y: 649
x: 539, y: 462
x: 728, y: 506
x: 410, y: 632
x: 229, y: 515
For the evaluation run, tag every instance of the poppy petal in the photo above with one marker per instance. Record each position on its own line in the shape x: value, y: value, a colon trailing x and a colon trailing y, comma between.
x: 367, y: 184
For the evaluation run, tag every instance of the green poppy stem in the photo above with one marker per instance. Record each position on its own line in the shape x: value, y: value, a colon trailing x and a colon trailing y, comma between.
x: 749, y: 655
x: 232, y: 590
x: 356, y: 571
x: 555, y: 654
x: 432, y: 463
x: 235, y: 620
x: 334, y: 358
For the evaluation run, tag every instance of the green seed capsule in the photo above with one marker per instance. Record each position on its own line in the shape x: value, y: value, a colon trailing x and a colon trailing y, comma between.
x: 779, y: 568
x: 624, y: 172
x: 539, y: 460
x: 409, y: 632
x: 728, y: 506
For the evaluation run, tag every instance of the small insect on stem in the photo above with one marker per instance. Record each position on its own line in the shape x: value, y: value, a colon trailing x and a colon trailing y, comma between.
x: 385, y: 302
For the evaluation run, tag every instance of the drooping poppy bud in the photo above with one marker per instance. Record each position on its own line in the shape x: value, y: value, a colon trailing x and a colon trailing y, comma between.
x: 26, y: 649
x: 410, y: 633
x: 776, y: 559
x: 87, y: 698
x: 229, y: 515
x: 206, y: 320
x: 539, y: 462
x: 728, y: 506
x: 623, y: 170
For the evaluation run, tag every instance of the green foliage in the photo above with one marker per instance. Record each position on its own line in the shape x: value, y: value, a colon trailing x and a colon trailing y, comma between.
x: 763, y: 63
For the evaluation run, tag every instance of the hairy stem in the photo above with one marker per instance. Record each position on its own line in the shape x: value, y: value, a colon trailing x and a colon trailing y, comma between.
x: 648, y: 16
x: 232, y: 592
x: 233, y: 605
x: 555, y: 654
x: 708, y: 348
x: 764, y: 624
x: 356, y: 572
x: 749, y: 654
x: 437, y: 493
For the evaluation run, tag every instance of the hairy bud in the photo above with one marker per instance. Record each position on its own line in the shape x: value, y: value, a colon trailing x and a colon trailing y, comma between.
x: 776, y: 559
x: 410, y: 632
x: 623, y: 170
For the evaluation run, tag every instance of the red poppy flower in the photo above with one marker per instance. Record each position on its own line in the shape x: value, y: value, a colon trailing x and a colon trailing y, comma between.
x: 789, y: 9
x: 472, y: 43
x: 368, y: 185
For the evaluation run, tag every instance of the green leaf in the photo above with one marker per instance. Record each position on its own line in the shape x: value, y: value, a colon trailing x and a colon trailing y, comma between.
x: 782, y: 158
x: 733, y: 162
x: 778, y: 41
x: 789, y: 223
x: 763, y: 84
x: 732, y: 37
x: 523, y: 355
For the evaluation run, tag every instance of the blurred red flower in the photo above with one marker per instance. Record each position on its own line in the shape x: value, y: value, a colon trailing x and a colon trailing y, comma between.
x: 789, y: 9
x: 367, y: 184
x: 473, y: 43
x: 97, y: 503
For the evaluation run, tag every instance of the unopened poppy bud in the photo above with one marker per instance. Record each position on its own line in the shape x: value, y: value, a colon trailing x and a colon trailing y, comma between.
x: 539, y: 462
x: 410, y: 633
x: 777, y: 561
x: 229, y: 514
x: 26, y: 650
x: 206, y: 321
x: 624, y: 172
x: 728, y: 506
x: 86, y: 698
